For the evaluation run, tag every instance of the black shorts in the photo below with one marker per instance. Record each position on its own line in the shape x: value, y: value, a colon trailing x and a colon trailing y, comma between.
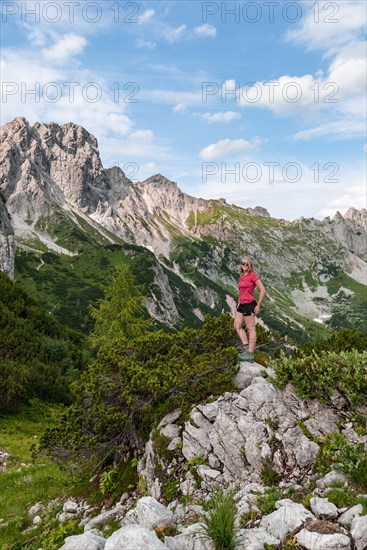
x: 247, y: 309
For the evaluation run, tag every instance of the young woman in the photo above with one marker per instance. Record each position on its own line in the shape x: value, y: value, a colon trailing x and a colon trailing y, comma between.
x: 247, y: 308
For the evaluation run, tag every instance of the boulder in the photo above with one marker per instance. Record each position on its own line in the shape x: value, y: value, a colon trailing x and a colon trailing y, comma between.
x: 255, y: 539
x: 191, y: 538
x: 323, y: 509
x: 359, y: 532
x: 86, y: 541
x: 311, y: 540
x: 133, y: 537
x: 151, y: 513
x: 285, y: 520
x: 102, y: 518
x: 347, y: 517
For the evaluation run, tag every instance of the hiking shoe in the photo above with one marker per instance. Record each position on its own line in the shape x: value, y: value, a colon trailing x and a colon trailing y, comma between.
x: 246, y: 356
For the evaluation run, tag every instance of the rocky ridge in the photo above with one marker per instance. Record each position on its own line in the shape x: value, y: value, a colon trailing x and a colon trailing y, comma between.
x: 54, y: 184
x: 224, y: 444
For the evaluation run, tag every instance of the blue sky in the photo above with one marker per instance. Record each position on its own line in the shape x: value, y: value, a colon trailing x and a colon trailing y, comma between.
x: 259, y: 102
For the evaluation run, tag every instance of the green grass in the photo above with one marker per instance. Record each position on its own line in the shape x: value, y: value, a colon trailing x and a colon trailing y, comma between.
x: 219, y: 520
x: 24, y: 483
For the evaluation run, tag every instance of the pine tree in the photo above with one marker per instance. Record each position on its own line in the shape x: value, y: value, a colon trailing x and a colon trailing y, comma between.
x: 119, y: 314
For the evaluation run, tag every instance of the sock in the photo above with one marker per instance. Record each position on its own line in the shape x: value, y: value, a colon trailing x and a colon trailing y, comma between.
x: 245, y: 346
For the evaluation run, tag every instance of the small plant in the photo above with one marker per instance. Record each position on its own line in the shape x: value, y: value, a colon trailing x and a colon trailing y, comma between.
x: 160, y: 443
x: 306, y: 501
x: 170, y: 531
x: 170, y: 490
x: 193, y: 462
x: 116, y: 481
x: 305, y: 430
x: 108, y: 482
x: 269, y: 476
x: 273, y: 423
x: 219, y: 521
x: 266, y: 501
x: 291, y: 544
x: 342, y: 497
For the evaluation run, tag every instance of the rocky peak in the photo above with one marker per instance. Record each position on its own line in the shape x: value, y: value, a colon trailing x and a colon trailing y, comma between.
x: 259, y: 211
x: 359, y: 217
x: 50, y: 160
x: 161, y: 194
x: 158, y: 180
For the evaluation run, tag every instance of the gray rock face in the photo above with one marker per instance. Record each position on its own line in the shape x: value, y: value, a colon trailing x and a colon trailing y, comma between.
x: 49, y: 173
x: 45, y: 159
x: 256, y: 538
x: 134, y: 537
x: 7, y: 242
x: 235, y: 434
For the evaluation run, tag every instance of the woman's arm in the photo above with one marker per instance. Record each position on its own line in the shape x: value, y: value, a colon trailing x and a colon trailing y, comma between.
x: 261, y: 287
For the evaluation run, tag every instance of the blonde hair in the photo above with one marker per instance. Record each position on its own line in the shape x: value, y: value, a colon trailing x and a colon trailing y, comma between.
x: 246, y: 259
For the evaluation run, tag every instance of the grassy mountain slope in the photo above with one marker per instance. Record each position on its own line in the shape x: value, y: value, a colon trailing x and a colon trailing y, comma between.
x: 301, y: 268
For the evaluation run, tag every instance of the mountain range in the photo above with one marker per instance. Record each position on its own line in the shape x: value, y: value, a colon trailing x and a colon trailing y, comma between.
x: 71, y: 220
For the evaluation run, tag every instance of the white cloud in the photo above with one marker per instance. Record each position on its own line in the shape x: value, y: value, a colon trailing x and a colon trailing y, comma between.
x: 227, y: 147
x: 329, y: 24
x: 337, y: 99
x: 146, y: 16
x: 179, y: 108
x: 354, y: 196
x: 205, y: 30
x: 221, y: 116
x: 346, y: 128
x: 65, y: 48
x: 148, y: 44
x: 25, y: 72
x: 179, y: 100
x: 173, y: 34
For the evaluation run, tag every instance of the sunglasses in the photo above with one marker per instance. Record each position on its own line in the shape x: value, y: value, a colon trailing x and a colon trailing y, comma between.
x: 245, y: 263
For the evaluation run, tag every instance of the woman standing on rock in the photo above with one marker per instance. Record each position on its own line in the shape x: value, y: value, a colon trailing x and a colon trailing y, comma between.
x: 247, y: 308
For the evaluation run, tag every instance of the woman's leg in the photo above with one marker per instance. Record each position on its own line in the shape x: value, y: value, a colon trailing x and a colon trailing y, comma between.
x: 238, y: 326
x: 251, y: 329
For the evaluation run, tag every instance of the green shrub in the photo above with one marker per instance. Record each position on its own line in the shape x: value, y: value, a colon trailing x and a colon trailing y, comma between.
x: 318, y: 375
x: 38, y: 356
x: 219, y: 521
x: 14, y: 385
x: 342, y: 497
x: 337, y: 452
x: 342, y: 340
x: 133, y: 384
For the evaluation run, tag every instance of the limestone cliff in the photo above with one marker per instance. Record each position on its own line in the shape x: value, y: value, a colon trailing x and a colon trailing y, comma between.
x: 56, y: 188
x: 7, y: 242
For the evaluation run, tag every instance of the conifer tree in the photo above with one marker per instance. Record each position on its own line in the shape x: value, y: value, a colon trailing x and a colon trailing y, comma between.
x: 119, y: 314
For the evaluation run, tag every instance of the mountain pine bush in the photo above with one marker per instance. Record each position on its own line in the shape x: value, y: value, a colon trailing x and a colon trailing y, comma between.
x: 318, y: 375
x: 38, y: 356
x: 134, y: 383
